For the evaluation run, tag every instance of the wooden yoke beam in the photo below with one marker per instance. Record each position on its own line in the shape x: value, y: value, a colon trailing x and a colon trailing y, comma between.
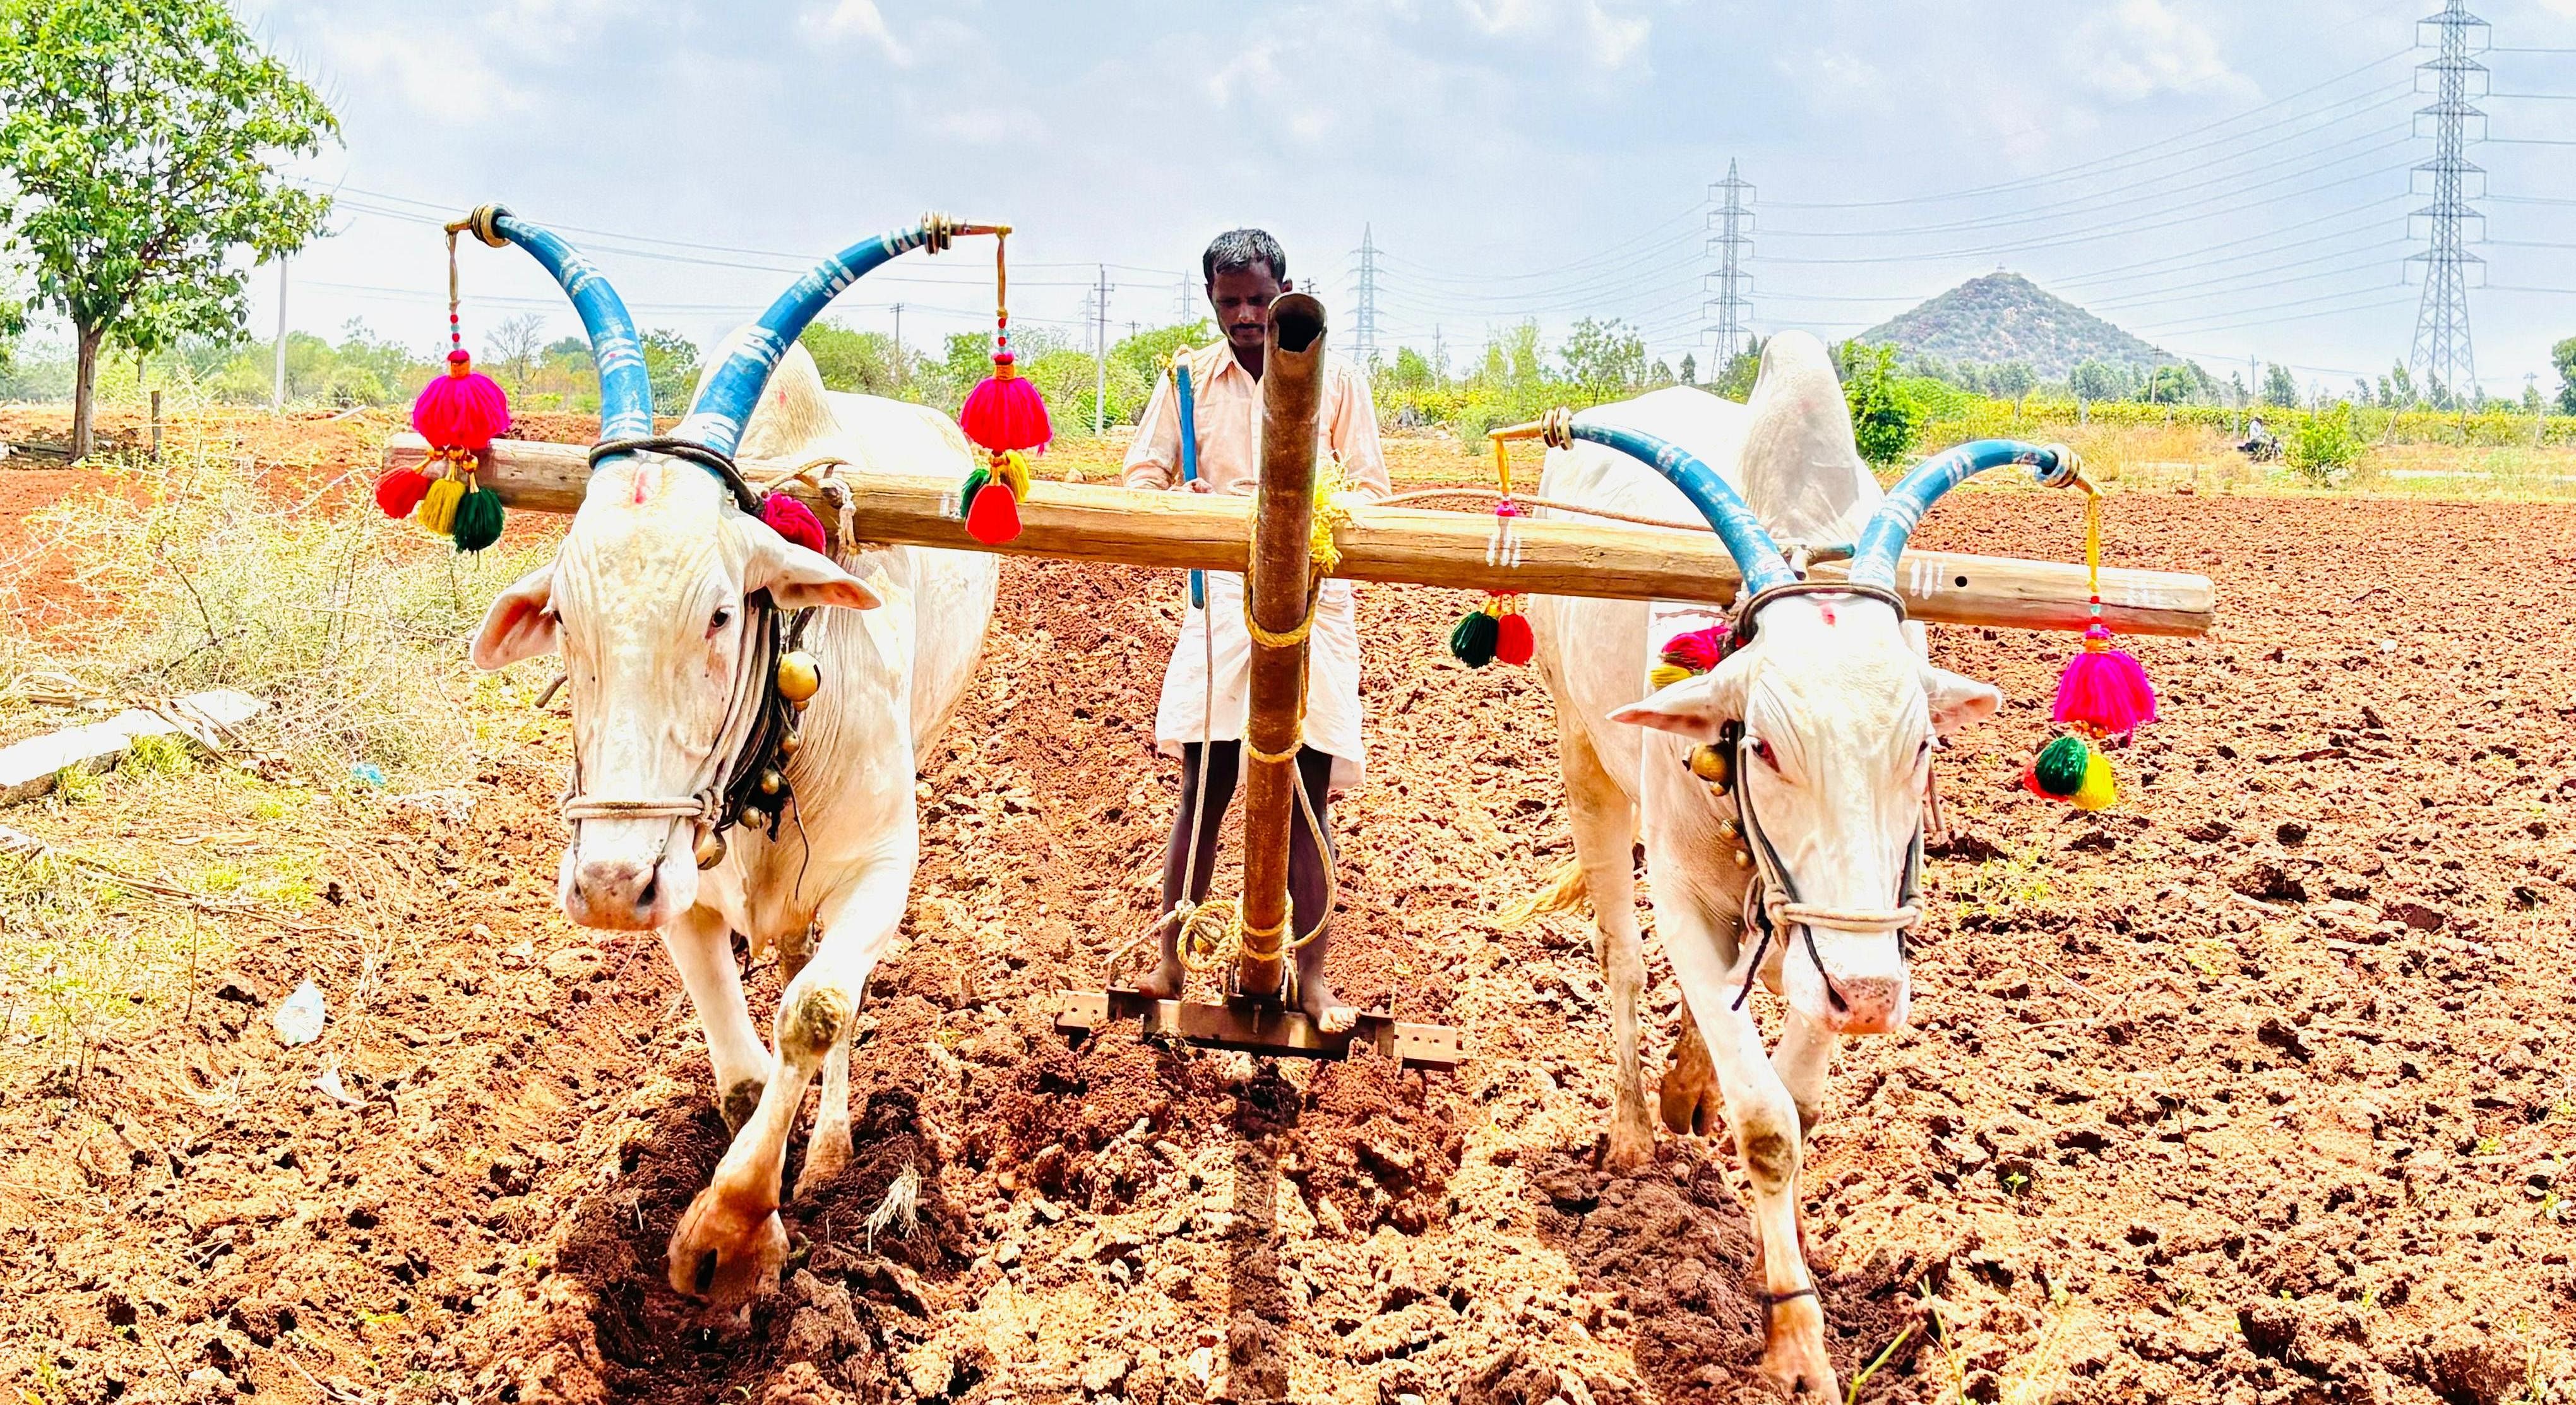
x: 1279, y: 603
x: 1460, y: 550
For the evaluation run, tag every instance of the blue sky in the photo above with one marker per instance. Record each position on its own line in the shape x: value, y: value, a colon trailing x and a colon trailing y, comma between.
x: 2224, y: 180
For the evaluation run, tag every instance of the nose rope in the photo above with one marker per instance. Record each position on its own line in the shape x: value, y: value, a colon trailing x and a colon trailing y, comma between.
x: 1771, y: 900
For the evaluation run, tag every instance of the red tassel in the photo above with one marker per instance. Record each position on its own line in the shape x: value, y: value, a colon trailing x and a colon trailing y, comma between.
x: 1696, y: 650
x: 2104, y: 690
x: 1005, y: 412
x: 463, y: 409
x: 793, y: 520
x: 400, y: 491
x: 1513, y: 641
x: 995, y: 516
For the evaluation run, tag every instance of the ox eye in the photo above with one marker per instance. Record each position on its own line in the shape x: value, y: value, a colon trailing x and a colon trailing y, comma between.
x: 717, y: 621
x: 1762, y: 748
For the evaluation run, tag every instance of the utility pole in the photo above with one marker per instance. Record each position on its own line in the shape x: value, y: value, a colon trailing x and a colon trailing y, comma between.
x: 900, y: 373
x: 1100, y: 354
x: 1364, y: 316
x: 278, y: 405
x: 1185, y: 310
x: 2539, y: 407
x: 1439, y: 354
x: 2442, y: 353
x: 1732, y: 243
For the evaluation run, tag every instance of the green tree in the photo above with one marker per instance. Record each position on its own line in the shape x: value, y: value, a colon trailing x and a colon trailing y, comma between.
x: 2101, y: 380
x: 140, y: 142
x: 2279, y: 386
x: 2014, y: 381
x: 2324, y: 449
x: 2167, y: 385
x: 671, y: 363
x: 1885, y: 420
x: 1604, y: 359
x: 2563, y: 356
x: 1690, y: 369
x: 1734, y: 380
x: 1144, y: 353
x: 862, y: 362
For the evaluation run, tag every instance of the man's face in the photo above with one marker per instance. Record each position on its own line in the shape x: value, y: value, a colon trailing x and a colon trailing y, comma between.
x: 1242, y: 298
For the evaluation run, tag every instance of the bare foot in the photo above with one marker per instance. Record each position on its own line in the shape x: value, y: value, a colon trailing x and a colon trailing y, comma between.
x: 727, y: 1248
x: 1331, y: 1013
x: 1165, y: 980
x: 1794, y: 1357
x: 1692, y: 1102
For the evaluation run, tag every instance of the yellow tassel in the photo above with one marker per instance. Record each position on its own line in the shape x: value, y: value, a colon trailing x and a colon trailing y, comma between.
x: 1665, y: 675
x: 1013, y: 469
x: 2099, y: 791
x: 437, y: 512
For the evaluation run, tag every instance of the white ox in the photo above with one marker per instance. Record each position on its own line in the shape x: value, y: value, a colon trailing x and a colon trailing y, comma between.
x: 646, y: 602
x: 1837, y: 710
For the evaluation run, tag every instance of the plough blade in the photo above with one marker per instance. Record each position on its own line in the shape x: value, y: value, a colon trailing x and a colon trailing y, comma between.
x: 1257, y: 1027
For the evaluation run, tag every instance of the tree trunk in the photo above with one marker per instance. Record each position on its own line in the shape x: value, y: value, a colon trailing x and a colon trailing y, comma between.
x: 85, y: 389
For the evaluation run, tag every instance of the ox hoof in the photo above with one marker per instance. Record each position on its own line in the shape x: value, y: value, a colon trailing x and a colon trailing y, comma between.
x: 739, y: 1102
x: 1794, y: 1357
x: 1691, y: 1100
x: 727, y: 1253
x: 825, y: 1157
x: 1630, y: 1143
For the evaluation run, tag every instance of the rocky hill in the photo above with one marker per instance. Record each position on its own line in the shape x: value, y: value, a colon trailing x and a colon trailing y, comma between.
x: 2006, y: 317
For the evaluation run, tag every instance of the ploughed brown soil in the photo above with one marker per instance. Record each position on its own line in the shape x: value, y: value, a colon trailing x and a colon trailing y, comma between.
x: 2254, y: 1089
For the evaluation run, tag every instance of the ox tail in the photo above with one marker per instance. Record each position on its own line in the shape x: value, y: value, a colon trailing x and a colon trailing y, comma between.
x: 1563, y: 891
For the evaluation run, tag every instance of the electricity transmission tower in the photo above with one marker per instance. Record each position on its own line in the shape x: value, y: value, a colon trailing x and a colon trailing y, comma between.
x: 1732, y: 244
x: 1187, y: 309
x: 2441, y: 353
x: 1097, y: 314
x: 1364, y: 315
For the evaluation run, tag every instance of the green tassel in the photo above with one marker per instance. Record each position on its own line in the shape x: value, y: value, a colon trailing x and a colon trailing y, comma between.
x: 2062, y: 765
x: 1472, y: 642
x: 975, y: 481
x: 478, y: 520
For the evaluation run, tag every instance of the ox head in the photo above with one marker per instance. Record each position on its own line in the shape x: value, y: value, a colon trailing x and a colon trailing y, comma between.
x: 1827, y: 709
x: 649, y: 599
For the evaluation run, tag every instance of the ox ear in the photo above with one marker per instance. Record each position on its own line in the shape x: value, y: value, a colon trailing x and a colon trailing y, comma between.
x: 1957, y: 700
x: 798, y: 579
x: 1695, y: 707
x: 520, y: 624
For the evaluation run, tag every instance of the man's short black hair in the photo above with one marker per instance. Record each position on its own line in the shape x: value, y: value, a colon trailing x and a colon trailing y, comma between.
x: 1244, y: 248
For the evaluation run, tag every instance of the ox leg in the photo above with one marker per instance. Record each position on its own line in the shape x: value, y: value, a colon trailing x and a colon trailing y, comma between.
x: 1605, y: 829
x: 828, y: 1150
x: 729, y: 1244
x: 701, y: 946
x: 1765, y: 1118
x: 1804, y: 1056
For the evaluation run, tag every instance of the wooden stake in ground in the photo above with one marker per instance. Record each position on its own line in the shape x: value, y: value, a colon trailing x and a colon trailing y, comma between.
x: 1279, y: 601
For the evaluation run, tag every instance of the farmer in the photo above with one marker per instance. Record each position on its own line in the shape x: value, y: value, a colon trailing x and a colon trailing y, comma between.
x: 1206, y: 691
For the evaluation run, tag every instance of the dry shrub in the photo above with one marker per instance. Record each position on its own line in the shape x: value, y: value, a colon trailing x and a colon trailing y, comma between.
x: 352, y: 626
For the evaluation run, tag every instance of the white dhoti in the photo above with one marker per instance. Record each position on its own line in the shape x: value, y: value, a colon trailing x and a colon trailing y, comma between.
x: 1207, y: 691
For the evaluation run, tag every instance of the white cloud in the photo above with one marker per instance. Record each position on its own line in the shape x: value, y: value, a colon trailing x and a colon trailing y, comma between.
x: 846, y: 21
x: 2138, y: 48
x: 1610, y: 39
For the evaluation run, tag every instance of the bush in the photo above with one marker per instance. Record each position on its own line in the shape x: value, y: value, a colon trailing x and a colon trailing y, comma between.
x: 2324, y: 449
x: 1886, y: 421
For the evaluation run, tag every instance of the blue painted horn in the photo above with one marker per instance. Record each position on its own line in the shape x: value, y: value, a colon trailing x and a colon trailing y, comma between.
x: 1757, y: 557
x: 749, y: 355
x: 625, y: 391
x: 1883, y: 540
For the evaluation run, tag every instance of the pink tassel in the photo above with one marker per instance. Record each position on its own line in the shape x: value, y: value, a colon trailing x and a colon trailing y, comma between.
x: 1697, y: 650
x: 2104, y: 690
x: 463, y: 409
x: 793, y: 520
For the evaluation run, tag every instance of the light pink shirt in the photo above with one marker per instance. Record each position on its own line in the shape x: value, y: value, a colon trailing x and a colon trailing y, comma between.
x: 1227, y: 411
